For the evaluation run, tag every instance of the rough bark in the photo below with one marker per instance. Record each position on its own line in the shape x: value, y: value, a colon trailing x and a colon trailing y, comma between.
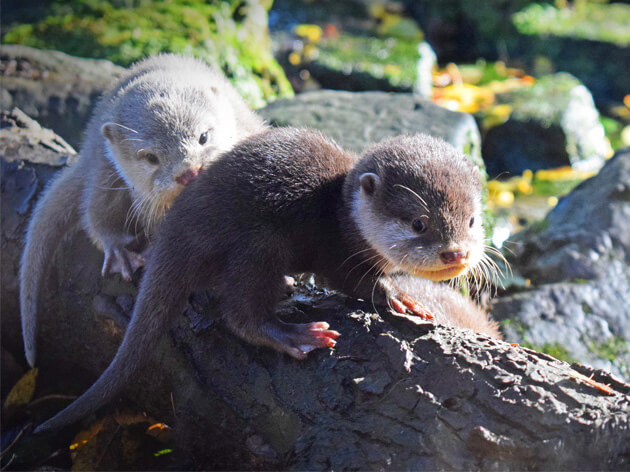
x: 393, y: 395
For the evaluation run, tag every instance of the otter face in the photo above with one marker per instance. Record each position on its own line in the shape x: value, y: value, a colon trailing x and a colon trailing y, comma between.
x: 164, y: 135
x: 421, y: 211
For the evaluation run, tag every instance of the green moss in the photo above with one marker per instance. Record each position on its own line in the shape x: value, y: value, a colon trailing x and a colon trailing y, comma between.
x: 586, y: 20
x: 516, y: 325
x: 555, y: 187
x: 610, y: 349
x: 553, y: 349
x: 231, y: 35
x: 544, y: 101
x: 391, y: 58
x: 613, y: 129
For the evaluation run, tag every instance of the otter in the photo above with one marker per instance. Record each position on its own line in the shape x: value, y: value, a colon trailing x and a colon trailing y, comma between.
x: 289, y: 201
x: 151, y: 133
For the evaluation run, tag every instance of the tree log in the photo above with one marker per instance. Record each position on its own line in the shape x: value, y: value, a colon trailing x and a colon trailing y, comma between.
x: 394, y: 394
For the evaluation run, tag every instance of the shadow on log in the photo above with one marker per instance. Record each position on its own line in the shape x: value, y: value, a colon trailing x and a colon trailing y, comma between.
x: 392, y: 395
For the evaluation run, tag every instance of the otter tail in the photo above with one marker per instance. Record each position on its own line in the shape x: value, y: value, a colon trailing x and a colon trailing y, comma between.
x: 162, y: 296
x: 54, y: 214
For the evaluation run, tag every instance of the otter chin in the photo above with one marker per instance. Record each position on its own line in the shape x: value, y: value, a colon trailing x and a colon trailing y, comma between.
x: 441, y: 274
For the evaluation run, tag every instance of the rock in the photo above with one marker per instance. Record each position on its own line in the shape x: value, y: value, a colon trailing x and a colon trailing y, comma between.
x: 586, y: 232
x: 578, y: 259
x: 353, y: 45
x: 462, y: 31
x: 356, y: 120
x: 56, y: 89
x: 553, y: 123
x: 19, y: 132
x: 590, y: 40
x: 231, y: 35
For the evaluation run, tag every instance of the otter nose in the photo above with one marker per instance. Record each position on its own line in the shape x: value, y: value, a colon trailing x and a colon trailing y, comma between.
x: 453, y: 257
x: 187, y: 177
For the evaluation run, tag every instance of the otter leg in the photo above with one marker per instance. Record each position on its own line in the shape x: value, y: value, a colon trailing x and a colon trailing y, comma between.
x: 106, y: 212
x: 248, y: 308
x: 383, y: 291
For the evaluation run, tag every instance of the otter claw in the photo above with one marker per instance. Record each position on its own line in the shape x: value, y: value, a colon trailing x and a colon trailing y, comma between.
x: 408, y: 304
x: 298, y: 340
x: 121, y: 261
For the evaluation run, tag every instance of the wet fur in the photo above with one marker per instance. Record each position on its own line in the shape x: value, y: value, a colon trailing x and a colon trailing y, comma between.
x: 160, y: 104
x: 279, y: 202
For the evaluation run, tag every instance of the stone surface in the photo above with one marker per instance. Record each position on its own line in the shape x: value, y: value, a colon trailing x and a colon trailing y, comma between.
x: 553, y: 123
x: 578, y: 258
x: 20, y: 134
x: 356, y: 120
x: 56, y: 89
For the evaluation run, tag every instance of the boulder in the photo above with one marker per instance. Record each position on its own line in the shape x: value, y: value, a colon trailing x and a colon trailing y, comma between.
x: 577, y: 260
x: 54, y: 88
x: 356, y: 120
x: 553, y: 123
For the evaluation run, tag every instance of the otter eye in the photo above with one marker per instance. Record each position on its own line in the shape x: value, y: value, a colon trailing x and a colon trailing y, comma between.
x: 151, y: 159
x: 203, y: 139
x: 419, y: 226
x: 472, y: 222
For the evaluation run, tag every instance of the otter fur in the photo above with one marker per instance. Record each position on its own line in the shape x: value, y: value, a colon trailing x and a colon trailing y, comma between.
x: 287, y: 201
x: 151, y: 133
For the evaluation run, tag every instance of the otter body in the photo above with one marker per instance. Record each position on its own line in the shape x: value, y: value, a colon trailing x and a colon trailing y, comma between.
x: 151, y: 133
x: 290, y: 200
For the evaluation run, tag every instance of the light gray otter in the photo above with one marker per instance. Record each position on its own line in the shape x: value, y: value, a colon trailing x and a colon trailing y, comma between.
x: 151, y: 133
x: 289, y: 201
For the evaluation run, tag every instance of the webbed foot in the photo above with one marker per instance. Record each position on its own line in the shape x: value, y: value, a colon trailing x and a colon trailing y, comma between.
x: 406, y: 304
x: 120, y: 260
x: 298, y: 340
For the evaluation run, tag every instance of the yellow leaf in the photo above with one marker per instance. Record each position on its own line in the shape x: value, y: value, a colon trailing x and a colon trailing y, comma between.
x: 295, y: 58
x: 312, y: 33
x: 22, y: 392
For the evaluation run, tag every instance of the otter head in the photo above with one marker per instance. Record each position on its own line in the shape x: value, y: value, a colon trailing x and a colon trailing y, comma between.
x: 165, y: 128
x: 417, y: 201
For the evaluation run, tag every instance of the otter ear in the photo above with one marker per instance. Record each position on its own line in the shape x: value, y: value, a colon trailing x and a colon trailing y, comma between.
x: 369, y: 181
x: 110, y: 131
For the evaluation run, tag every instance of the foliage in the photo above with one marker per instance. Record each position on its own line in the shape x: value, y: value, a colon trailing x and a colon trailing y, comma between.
x: 231, y: 35
x: 611, y: 349
x: 22, y: 392
x: 553, y: 349
x: 391, y: 58
x: 586, y: 20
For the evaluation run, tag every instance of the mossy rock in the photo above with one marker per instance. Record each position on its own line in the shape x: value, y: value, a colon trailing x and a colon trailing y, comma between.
x: 586, y: 20
x: 590, y: 40
x: 360, y: 62
x: 462, y: 30
x: 231, y: 35
x: 553, y: 123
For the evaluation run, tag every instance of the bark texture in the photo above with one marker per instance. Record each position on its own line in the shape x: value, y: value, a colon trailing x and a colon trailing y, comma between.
x: 393, y: 395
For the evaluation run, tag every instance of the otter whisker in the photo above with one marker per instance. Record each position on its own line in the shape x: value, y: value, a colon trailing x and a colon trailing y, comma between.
x: 381, y: 259
x: 371, y: 258
x: 125, y: 127
x: 353, y: 255
x: 426, y: 207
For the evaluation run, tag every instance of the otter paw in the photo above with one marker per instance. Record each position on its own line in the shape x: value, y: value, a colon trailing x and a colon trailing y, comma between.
x: 119, y: 260
x: 403, y: 303
x: 298, y: 340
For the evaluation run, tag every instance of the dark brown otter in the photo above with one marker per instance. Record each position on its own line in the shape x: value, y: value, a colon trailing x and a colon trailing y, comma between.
x: 290, y: 200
